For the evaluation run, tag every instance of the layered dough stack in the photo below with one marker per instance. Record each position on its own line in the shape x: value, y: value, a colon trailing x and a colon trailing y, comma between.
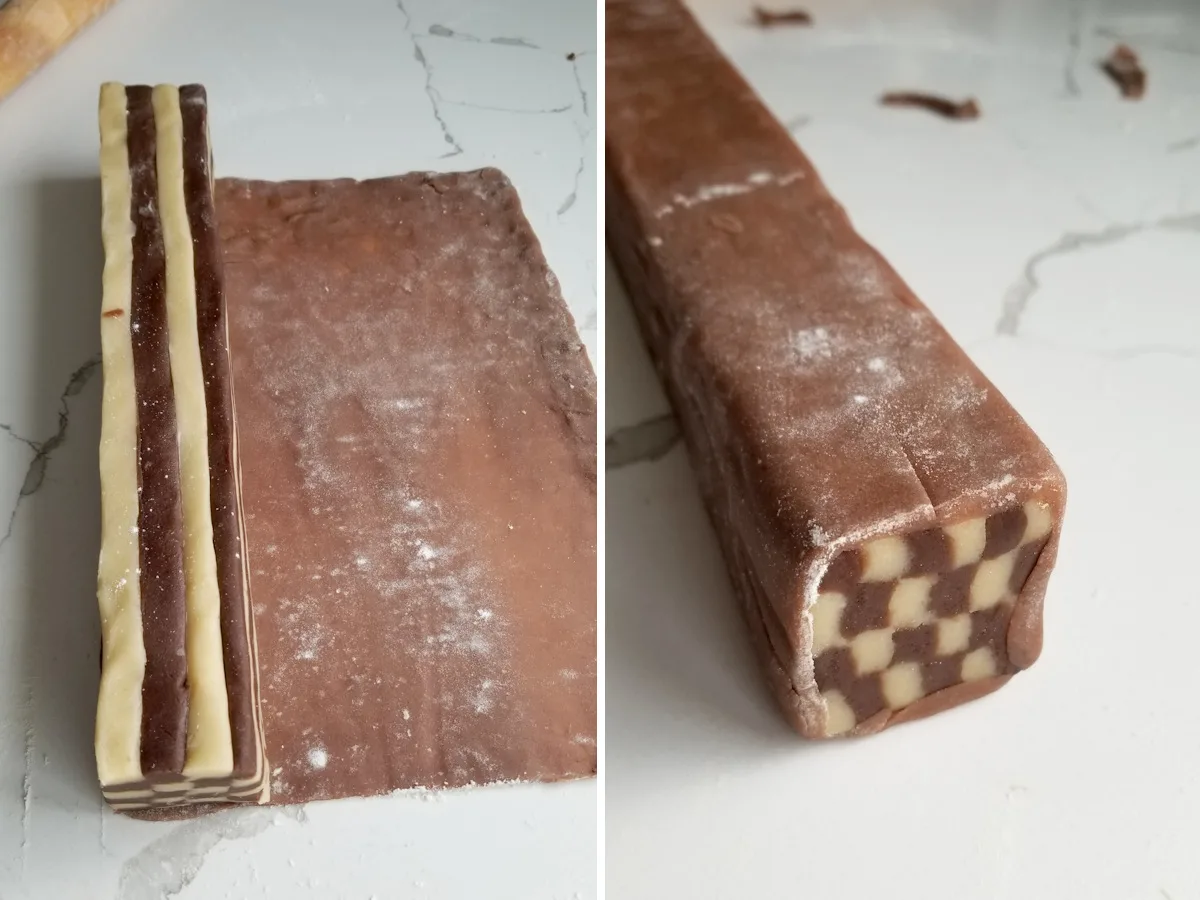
x: 178, y: 719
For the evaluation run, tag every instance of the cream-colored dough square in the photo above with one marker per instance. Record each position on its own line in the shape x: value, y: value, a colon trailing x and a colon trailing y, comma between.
x: 1038, y: 521
x: 909, y: 605
x: 839, y: 717
x: 902, y: 685
x: 967, y: 540
x: 827, y: 621
x: 978, y: 664
x: 884, y: 559
x: 872, y: 651
x: 953, y: 635
x: 990, y: 584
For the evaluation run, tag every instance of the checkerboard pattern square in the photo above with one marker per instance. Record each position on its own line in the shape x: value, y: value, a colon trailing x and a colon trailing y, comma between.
x: 903, y: 616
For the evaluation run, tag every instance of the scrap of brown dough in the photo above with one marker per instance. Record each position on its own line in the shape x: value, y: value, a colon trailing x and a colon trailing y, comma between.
x: 417, y: 426
x: 947, y: 109
x: 767, y: 18
x: 1124, y: 68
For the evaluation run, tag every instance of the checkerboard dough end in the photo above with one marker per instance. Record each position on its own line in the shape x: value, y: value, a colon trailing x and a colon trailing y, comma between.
x: 902, y: 619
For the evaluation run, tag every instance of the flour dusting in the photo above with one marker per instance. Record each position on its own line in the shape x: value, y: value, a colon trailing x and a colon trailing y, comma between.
x: 812, y: 343
x: 318, y: 758
x: 846, y: 366
x: 711, y: 192
x: 482, y: 701
x: 417, y: 573
x: 311, y: 638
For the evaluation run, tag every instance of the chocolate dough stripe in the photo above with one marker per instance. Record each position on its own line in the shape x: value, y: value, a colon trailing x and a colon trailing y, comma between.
x: 223, y: 488
x: 209, y: 746
x: 160, y: 517
x: 119, y: 704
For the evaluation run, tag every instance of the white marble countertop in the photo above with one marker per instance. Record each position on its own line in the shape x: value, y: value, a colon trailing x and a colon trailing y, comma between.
x: 1058, y: 238
x: 298, y: 88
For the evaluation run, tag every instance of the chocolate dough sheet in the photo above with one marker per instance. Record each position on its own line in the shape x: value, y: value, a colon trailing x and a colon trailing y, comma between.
x: 417, y: 425
x: 888, y: 520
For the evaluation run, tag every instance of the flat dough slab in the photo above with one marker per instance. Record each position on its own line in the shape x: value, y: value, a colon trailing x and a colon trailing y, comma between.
x: 417, y: 432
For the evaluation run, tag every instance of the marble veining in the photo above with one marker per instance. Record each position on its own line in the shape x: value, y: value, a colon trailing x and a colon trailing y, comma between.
x: 1018, y: 297
x: 42, y: 451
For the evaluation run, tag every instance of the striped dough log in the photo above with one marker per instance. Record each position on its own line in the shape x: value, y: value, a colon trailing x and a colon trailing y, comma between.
x: 178, y: 718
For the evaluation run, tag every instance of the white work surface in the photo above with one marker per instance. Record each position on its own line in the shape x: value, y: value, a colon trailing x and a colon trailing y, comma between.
x: 1058, y: 238
x: 297, y: 90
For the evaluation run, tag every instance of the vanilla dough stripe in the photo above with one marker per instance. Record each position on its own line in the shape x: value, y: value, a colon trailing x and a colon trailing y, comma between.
x: 119, y: 707
x: 178, y: 718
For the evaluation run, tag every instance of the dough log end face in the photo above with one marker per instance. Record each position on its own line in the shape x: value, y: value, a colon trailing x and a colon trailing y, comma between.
x: 901, y: 620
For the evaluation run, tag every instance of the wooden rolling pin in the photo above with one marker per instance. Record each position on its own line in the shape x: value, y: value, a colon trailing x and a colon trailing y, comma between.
x: 32, y: 31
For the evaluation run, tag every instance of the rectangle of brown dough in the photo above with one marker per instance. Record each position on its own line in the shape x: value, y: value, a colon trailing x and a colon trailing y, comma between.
x: 417, y: 428
x: 417, y: 424
x: 889, y: 521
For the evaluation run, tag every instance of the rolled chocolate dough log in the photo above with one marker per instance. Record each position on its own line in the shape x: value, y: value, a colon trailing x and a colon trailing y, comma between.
x: 889, y: 521
x: 178, y: 718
